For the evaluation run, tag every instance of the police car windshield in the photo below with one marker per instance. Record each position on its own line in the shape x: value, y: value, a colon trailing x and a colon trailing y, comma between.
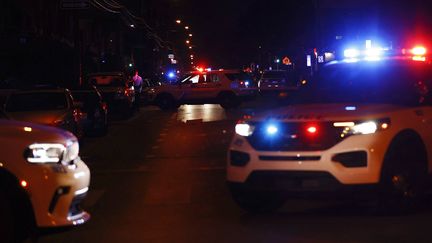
x: 373, y: 82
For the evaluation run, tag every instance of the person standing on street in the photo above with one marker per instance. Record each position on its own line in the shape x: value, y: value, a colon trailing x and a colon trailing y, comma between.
x: 138, y: 83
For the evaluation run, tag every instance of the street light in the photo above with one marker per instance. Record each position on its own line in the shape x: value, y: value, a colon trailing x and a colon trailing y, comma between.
x: 187, y: 27
x: 190, y: 35
x: 178, y: 21
x: 187, y: 41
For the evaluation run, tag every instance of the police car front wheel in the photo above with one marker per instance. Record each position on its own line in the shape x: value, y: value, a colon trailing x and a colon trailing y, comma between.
x: 403, y: 176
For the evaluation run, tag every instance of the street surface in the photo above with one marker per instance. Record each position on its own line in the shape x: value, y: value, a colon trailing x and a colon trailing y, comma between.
x: 160, y: 177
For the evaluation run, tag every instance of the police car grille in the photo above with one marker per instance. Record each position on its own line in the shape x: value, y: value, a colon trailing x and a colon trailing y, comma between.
x: 293, y: 136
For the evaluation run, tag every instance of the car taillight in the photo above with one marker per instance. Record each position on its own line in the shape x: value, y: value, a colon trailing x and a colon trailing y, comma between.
x: 104, y: 106
x: 128, y: 92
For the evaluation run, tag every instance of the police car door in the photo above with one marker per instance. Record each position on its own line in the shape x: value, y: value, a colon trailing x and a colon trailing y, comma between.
x: 190, y: 88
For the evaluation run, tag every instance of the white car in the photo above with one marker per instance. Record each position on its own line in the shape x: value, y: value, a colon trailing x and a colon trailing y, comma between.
x: 225, y: 87
x: 360, y: 126
x: 42, y: 179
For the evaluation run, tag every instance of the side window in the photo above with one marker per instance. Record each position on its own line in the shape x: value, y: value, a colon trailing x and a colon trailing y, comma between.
x: 213, y: 78
x: 190, y: 80
x: 202, y: 79
x: 194, y: 79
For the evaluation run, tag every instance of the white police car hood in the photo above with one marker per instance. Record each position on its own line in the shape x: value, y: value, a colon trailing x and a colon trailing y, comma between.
x: 328, y: 112
x: 11, y: 131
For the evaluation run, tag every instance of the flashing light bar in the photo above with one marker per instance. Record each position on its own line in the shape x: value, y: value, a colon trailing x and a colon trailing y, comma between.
x: 351, y: 53
x: 418, y: 51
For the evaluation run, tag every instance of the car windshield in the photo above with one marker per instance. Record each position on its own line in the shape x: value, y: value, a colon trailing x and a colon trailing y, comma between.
x: 36, y: 102
x: 107, y: 81
x: 368, y: 83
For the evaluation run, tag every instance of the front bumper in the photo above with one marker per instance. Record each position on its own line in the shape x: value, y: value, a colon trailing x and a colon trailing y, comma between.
x: 306, y: 170
x: 56, y: 195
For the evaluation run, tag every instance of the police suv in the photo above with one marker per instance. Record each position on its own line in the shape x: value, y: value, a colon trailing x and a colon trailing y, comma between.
x: 42, y: 179
x: 363, y: 124
x: 225, y: 87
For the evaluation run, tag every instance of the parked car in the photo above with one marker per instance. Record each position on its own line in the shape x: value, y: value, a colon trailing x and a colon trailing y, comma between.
x: 42, y: 179
x: 278, y: 82
x: 117, y: 90
x: 225, y: 87
x: 93, y: 107
x: 53, y: 107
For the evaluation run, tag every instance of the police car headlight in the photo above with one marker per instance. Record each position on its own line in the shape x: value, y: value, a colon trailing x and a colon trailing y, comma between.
x: 41, y: 153
x: 366, y: 127
x: 244, y: 129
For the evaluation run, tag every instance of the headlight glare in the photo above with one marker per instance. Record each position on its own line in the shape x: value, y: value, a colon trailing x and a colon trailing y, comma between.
x: 45, y: 153
x: 365, y: 128
x: 244, y: 129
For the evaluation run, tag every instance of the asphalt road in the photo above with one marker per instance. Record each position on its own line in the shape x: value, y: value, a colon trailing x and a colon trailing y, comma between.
x: 160, y: 177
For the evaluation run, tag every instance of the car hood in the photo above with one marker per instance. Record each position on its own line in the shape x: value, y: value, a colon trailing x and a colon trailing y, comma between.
x: 329, y: 112
x: 29, y: 132
x: 41, y: 117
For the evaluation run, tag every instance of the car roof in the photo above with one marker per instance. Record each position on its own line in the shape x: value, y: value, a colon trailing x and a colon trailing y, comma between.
x: 30, y: 91
x: 217, y: 71
x: 106, y: 74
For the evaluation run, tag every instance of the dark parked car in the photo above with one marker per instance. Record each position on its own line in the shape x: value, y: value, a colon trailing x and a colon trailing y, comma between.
x: 93, y: 107
x: 277, y: 81
x: 116, y: 90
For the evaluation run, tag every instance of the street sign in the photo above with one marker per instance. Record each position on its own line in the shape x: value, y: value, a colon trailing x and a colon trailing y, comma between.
x: 74, y: 4
x: 171, y: 56
x: 308, y: 60
x: 320, y: 59
x: 173, y: 61
x: 286, y: 61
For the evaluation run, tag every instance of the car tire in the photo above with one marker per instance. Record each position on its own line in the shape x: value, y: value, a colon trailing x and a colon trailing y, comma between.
x: 257, y: 202
x: 228, y: 100
x: 7, y: 219
x: 166, y: 102
x: 403, y: 177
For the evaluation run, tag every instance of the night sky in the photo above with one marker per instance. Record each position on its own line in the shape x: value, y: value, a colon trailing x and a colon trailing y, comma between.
x: 229, y: 33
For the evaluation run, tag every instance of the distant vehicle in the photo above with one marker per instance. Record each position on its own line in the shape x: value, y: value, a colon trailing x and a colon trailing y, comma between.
x: 52, y: 107
x: 225, y: 87
x: 276, y: 81
x: 116, y: 90
x: 358, y: 127
x: 93, y: 107
x: 42, y: 179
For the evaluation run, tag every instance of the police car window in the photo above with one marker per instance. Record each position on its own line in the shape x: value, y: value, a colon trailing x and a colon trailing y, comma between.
x: 213, y: 78
x: 190, y: 79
